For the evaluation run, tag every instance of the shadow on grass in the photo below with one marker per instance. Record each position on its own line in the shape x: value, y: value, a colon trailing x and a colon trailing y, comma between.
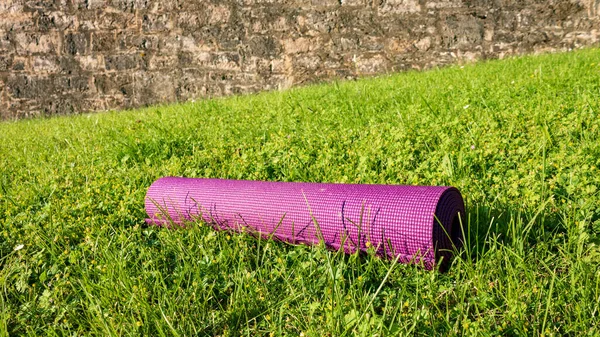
x: 488, y: 226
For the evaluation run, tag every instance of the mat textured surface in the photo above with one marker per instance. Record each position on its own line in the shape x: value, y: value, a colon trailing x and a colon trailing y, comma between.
x: 419, y: 224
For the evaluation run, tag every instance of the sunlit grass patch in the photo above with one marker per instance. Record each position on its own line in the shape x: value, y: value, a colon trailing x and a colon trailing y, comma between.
x: 520, y: 139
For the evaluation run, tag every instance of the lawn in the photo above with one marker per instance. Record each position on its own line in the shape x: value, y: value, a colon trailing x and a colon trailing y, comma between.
x: 520, y: 138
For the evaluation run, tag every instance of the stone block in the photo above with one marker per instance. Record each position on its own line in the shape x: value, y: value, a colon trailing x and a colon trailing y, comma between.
x: 104, y: 42
x: 361, y: 3
x: 299, y: 45
x: 91, y: 63
x: 387, y: 7
x: 264, y: 46
x: 191, y: 84
x: 190, y: 22
x: 77, y: 83
x: 396, y: 45
x: 226, y: 61
x: 261, y: 2
x: 219, y: 14
x: 76, y: 43
x: 44, y: 5
x: 324, y: 3
x: 37, y: 43
x: 69, y: 65
x: 108, y: 21
x: 163, y: 62
x: 13, y: 109
x: 29, y: 87
x: 304, y: 63
x: 116, y: 100
x: 87, y: 21
x: 191, y: 44
x: 122, y: 62
x: 153, y: 87
x: 261, y: 67
x: 283, y: 82
x: 191, y: 60
x: 113, y: 84
x: 368, y: 65
x: 461, y: 31
x: 188, y: 6
x: 443, y: 4
x: 20, y: 64
x: 346, y: 43
x: 45, y: 64
x: 89, y: 4
x: 56, y: 20
x: 230, y: 61
x: 226, y: 37
x: 63, y: 105
x: 169, y: 44
x: 17, y: 21
x: 331, y: 63
x: 129, y: 5
x: 424, y: 44
x: 97, y: 103
x: 278, y: 66
x: 6, y: 45
x: 281, y: 24
x: 357, y: 21
x: 157, y: 22
x: 315, y: 23
x: 11, y: 7
x: 372, y: 43
x: 5, y: 62
x: 220, y: 76
x: 136, y: 41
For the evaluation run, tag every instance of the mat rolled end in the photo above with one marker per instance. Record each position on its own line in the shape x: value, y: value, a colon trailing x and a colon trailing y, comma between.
x: 448, y: 226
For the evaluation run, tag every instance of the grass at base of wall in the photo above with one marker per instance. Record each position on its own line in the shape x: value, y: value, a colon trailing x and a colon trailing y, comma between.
x: 520, y: 138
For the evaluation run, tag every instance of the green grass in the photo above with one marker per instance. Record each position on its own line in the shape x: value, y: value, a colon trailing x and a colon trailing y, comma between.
x: 520, y: 138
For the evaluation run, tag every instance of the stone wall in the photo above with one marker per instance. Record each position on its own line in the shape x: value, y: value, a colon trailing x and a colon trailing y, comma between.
x: 71, y: 56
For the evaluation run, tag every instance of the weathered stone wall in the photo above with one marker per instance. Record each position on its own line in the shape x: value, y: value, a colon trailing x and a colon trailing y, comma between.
x: 70, y: 56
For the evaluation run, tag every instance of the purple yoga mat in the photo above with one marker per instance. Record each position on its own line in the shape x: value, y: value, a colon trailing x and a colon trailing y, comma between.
x: 419, y: 224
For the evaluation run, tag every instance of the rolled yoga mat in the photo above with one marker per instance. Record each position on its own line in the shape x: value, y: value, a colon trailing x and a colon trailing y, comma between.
x: 416, y: 224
